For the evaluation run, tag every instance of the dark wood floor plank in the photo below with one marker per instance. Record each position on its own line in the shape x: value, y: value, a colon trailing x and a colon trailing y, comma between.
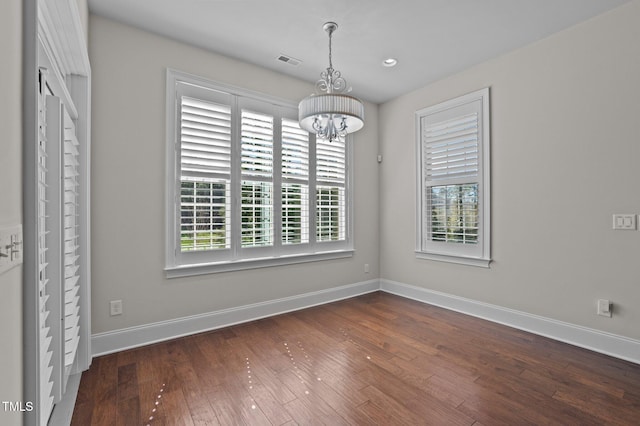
x: 264, y: 373
x: 368, y: 332
x: 385, y: 381
x: 374, y: 359
x: 127, y: 382
x: 106, y: 391
x: 496, y: 410
x: 331, y: 355
x: 598, y: 405
x: 520, y: 393
x: 201, y: 411
x: 602, y: 380
x: 267, y: 403
x: 234, y: 405
x: 448, y: 389
x: 129, y: 412
x: 151, y: 407
x: 310, y: 410
x: 353, y: 335
x: 384, y: 409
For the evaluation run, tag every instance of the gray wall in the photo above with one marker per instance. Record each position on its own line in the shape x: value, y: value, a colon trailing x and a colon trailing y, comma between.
x: 565, y: 157
x: 11, y: 202
x: 128, y: 175
x: 565, y: 152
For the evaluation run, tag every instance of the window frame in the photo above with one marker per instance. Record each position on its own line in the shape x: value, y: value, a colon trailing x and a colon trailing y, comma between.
x: 178, y: 263
x: 479, y: 255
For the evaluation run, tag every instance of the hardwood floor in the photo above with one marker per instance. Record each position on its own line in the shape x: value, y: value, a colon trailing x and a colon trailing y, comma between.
x: 374, y: 359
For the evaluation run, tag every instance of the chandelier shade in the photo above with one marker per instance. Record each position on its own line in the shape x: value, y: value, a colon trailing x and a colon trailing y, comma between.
x: 331, y: 115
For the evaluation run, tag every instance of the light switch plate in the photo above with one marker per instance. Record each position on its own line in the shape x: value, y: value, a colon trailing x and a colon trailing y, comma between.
x: 624, y: 221
x: 10, y: 247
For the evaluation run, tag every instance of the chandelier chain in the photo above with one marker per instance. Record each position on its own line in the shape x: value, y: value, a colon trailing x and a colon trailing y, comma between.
x: 330, y: 61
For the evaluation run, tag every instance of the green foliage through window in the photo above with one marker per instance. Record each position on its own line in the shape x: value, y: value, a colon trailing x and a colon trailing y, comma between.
x: 203, y: 215
x: 454, y: 213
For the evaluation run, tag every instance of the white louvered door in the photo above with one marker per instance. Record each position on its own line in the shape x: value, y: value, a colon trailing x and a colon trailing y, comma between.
x: 55, y: 301
x: 46, y: 334
x: 70, y: 239
x: 59, y: 291
x: 56, y: 210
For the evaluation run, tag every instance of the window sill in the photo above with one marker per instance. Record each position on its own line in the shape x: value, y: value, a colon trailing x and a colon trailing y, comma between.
x: 470, y: 261
x: 265, y: 262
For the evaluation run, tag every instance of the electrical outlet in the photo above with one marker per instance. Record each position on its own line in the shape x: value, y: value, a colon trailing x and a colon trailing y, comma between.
x: 115, y: 307
x: 366, y: 268
x: 605, y: 308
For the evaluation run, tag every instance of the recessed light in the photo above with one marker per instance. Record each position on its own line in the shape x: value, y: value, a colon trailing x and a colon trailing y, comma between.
x: 390, y: 62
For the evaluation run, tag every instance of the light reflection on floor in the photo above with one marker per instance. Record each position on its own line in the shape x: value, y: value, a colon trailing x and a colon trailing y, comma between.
x: 307, y: 359
x: 250, y: 383
x: 304, y: 363
x: 346, y: 335
x: 156, y: 404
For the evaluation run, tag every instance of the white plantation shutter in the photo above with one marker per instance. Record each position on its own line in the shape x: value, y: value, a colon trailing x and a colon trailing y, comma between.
x: 331, y: 161
x: 205, y: 139
x: 330, y: 190
x: 256, y: 163
x: 246, y: 186
x: 450, y: 155
x: 295, y: 151
x: 295, y: 183
x: 257, y: 145
x: 453, y: 144
x: 205, y: 173
x: 451, y: 148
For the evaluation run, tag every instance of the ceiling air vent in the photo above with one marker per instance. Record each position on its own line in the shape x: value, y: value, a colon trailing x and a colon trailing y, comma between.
x: 289, y: 60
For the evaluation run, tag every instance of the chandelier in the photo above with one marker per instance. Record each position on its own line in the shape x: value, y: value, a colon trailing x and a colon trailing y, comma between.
x: 330, y: 114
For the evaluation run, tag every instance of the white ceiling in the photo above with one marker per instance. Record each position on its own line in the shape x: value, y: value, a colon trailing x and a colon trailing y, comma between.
x: 430, y: 38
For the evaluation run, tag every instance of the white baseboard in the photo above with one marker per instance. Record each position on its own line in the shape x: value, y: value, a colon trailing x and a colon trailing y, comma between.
x: 595, y: 340
x: 132, y: 337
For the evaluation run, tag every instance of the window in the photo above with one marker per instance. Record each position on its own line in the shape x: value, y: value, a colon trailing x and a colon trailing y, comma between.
x: 240, y: 180
x: 453, y: 180
x: 330, y: 190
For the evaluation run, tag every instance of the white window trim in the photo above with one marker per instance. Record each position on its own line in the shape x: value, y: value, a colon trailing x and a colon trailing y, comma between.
x: 284, y: 255
x: 447, y: 254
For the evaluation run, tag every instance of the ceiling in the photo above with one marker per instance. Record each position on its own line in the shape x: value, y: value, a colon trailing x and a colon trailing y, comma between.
x: 431, y: 39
